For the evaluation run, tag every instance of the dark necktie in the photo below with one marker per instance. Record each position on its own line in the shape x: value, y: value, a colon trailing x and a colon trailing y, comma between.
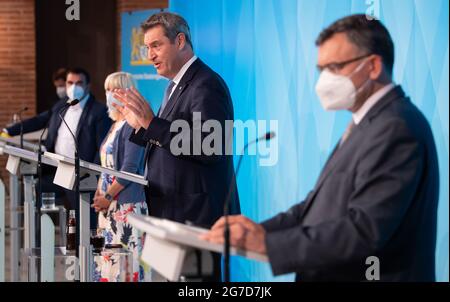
x: 166, y: 97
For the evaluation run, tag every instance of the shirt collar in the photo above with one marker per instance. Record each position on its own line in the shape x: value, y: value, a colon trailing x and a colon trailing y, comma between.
x: 82, y: 102
x: 183, y: 70
x: 370, y: 102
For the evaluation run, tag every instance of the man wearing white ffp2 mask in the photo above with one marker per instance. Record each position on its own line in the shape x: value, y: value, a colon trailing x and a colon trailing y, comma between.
x: 349, y: 74
x: 75, y: 91
x: 87, y: 121
x: 338, y: 92
x: 378, y: 193
x: 61, y: 92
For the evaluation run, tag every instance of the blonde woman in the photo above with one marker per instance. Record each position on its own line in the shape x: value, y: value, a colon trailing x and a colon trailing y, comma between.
x: 115, y: 198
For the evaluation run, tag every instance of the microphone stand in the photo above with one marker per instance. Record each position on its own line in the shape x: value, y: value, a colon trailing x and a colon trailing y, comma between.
x: 77, y: 167
x: 21, y: 126
x: 226, y: 213
x: 39, y: 170
x: 39, y: 163
x: 226, y: 208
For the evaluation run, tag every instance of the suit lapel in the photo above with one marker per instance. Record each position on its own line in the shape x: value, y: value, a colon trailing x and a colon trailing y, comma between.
x: 84, y: 114
x: 330, y: 164
x: 337, y: 153
x: 173, y: 100
x: 58, y: 120
x: 181, y: 87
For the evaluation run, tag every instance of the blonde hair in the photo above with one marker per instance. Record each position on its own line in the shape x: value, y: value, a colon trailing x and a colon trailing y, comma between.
x: 115, y: 80
x: 119, y: 79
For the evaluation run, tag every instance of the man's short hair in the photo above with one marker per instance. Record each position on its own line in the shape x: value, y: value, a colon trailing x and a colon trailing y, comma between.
x: 78, y: 70
x: 366, y: 33
x: 172, y: 24
x: 59, y: 74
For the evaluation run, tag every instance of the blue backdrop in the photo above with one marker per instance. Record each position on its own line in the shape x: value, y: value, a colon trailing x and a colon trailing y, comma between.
x: 264, y: 49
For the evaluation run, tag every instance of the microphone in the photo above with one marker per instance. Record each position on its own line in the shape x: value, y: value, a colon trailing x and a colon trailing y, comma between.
x: 39, y: 163
x: 71, y: 103
x: 77, y: 164
x: 226, y: 208
x: 21, y: 125
x: 64, y: 108
x: 266, y: 137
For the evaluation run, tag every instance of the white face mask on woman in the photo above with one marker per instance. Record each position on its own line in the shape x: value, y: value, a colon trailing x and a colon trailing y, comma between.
x: 110, y: 99
x: 337, y: 92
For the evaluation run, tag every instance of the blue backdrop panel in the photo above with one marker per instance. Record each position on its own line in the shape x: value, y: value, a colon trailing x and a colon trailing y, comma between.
x: 264, y: 49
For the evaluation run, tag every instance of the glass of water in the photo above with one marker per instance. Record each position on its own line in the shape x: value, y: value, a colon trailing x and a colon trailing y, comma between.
x: 48, y: 200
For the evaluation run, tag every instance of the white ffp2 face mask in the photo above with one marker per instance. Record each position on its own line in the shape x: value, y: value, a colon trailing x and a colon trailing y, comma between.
x: 75, y: 92
x: 61, y: 91
x: 337, y: 92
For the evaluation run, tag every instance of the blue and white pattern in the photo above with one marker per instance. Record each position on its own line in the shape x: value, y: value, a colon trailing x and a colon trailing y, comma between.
x: 265, y: 51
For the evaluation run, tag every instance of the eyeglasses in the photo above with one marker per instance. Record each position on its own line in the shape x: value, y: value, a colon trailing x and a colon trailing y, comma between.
x: 337, y: 66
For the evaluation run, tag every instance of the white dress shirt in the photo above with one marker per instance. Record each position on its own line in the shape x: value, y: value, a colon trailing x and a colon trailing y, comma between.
x: 181, y: 73
x: 65, y: 144
x: 371, y: 101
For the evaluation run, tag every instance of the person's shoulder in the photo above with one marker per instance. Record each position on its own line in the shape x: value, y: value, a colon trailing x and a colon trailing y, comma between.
x: 404, y: 118
x: 206, y: 71
x: 206, y: 76
x: 59, y: 104
x: 404, y: 109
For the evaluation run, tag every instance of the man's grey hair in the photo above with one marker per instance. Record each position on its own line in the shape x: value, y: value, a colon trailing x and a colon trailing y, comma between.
x: 172, y: 24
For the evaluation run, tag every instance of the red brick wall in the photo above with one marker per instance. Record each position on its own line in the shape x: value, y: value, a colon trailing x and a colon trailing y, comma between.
x: 133, y: 5
x: 17, y: 56
x: 17, y: 62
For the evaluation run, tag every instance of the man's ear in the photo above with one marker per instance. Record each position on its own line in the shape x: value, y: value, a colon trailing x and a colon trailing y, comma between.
x: 376, y: 67
x: 181, y: 40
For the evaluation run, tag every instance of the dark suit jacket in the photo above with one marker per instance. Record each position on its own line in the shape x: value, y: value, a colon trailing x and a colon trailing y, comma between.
x: 92, y: 128
x: 376, y: 196
x: 189, y: 187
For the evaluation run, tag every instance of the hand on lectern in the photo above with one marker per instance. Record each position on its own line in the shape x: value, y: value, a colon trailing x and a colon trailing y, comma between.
x: 244, y: 233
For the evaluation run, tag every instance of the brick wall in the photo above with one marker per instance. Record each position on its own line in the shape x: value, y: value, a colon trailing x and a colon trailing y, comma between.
x: 17, y: 62
x: 133, y: 5
x: 17, y: 56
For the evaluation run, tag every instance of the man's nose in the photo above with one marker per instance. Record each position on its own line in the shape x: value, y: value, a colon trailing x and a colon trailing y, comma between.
x: 151, y: 55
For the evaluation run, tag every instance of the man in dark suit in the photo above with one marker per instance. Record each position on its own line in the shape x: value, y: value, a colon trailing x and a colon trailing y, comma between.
x: 38, y: 122
x: 88, y: 120
x: 378, y: 192
x: 191, y: 186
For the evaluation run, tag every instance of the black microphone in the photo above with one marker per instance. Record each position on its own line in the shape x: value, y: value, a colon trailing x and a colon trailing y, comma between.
x: 77, y: 166
x: 39, y: 163
x: 21, y: 125
x: 65, y: 106
x: 226, y: 207
x: 70, y: 103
